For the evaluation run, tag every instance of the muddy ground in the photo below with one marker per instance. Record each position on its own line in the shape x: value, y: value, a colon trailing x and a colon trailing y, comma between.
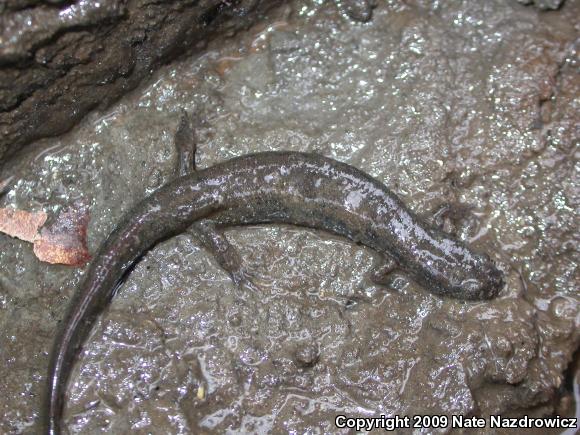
x: 473, y: 104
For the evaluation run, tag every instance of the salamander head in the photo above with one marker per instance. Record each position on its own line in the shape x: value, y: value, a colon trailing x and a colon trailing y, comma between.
x: 481, y: 279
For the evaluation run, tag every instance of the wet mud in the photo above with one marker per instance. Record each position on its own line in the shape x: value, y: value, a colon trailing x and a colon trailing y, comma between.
x: 468, y: 111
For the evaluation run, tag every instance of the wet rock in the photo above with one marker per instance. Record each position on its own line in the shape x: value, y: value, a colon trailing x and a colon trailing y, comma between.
x: 59, y: 60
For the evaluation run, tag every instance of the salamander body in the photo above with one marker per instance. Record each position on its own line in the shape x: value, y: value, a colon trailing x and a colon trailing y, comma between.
x: 279, y: 187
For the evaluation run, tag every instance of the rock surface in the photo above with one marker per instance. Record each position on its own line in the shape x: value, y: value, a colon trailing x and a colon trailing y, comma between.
x: 61, y: 59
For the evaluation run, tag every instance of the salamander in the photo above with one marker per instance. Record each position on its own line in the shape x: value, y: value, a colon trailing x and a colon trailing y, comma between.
x: 272, y: 187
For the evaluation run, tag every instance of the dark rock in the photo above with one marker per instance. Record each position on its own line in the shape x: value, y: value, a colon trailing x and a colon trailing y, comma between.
x: 544, y: 4
x: 358, y: 10
x: 61, y: 59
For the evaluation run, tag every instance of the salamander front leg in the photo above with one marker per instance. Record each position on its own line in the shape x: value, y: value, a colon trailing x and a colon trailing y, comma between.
x: 382, y: 270
x: 186, y: 145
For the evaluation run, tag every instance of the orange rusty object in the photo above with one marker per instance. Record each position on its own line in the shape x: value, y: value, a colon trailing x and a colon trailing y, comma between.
x: 62, y: 242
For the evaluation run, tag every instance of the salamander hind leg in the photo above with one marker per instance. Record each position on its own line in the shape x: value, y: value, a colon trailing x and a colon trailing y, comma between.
x: 382, y: 270
x: 222, y: 250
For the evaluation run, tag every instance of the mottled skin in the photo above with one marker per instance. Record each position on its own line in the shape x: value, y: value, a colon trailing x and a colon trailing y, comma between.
x: 282, y: 187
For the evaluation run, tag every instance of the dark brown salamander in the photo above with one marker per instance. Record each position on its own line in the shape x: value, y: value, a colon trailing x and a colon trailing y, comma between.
x: 282, y: 187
